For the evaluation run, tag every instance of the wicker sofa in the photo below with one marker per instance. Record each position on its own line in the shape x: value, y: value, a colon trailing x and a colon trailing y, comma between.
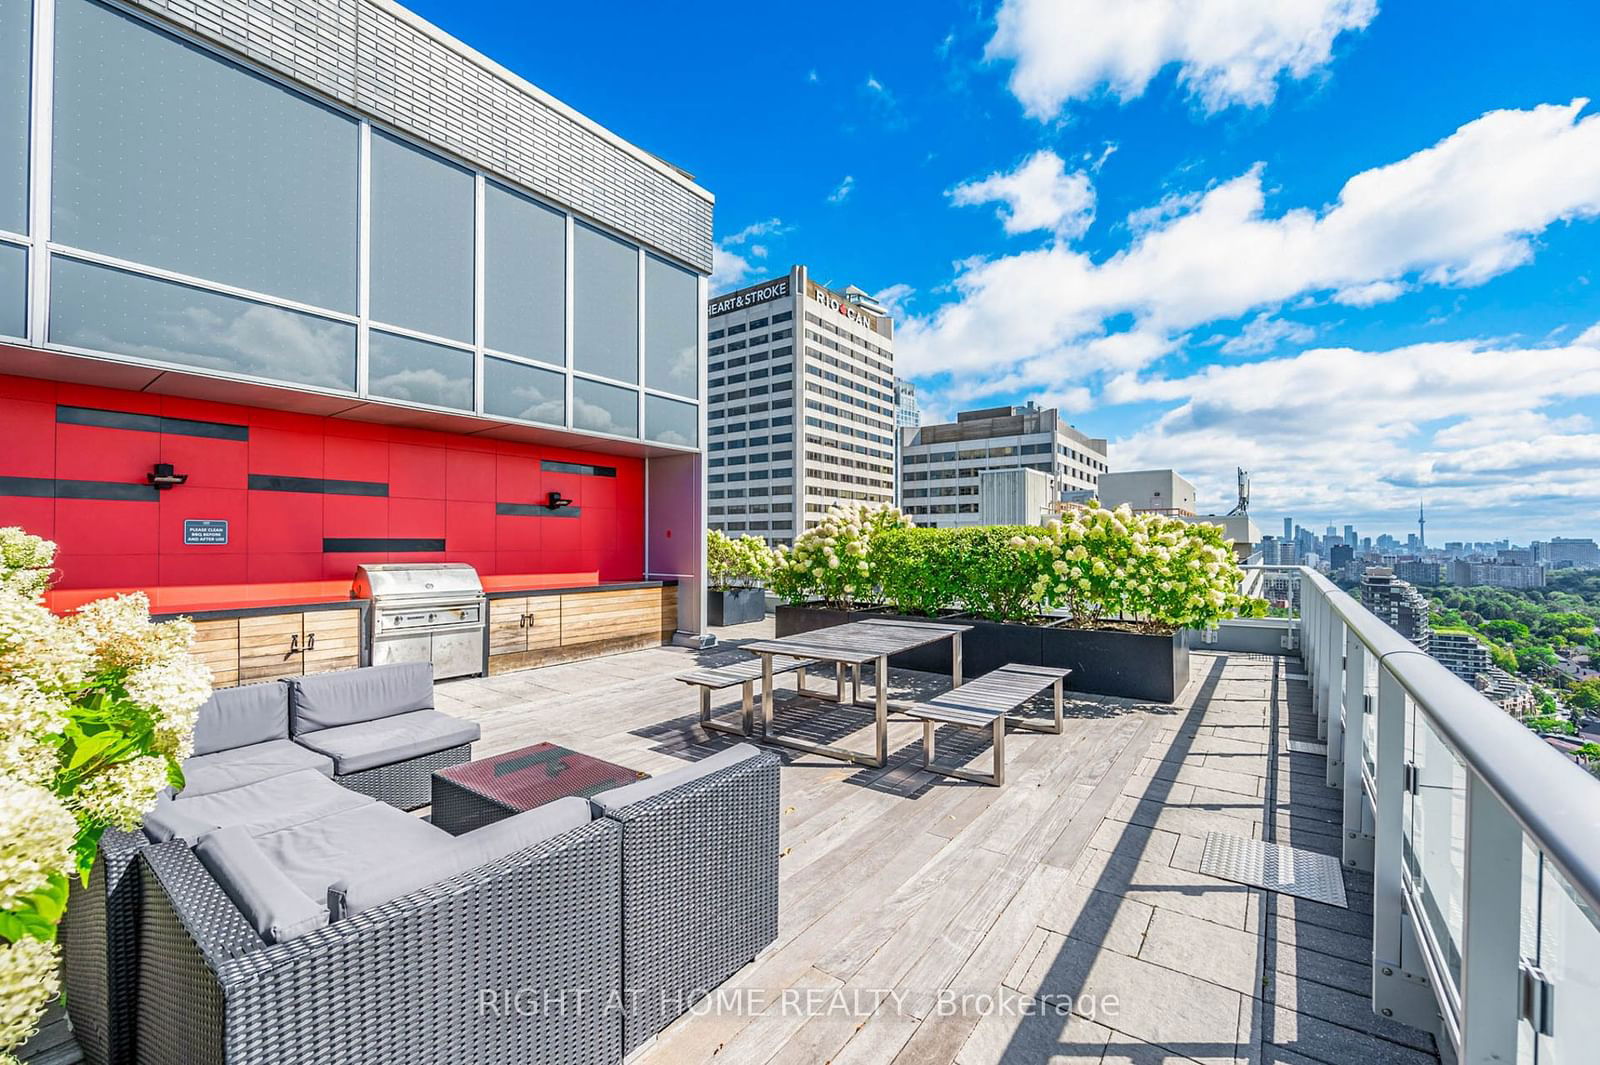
x: 289, y: 918
x: 245, y: 738
x: 571, y: 933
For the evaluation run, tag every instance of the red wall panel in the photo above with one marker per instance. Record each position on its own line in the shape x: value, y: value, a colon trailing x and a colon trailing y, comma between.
x: 435, y: 486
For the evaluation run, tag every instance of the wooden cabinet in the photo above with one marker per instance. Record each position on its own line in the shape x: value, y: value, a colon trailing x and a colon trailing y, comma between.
x: 538, y: 630
x: 263, y: 647
x: 522, y: 629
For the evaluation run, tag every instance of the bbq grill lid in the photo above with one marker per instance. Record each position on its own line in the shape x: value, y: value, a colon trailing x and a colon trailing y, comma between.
x: 416, y: 579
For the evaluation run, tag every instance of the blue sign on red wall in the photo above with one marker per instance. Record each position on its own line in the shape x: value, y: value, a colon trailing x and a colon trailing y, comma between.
x: 205, y: 531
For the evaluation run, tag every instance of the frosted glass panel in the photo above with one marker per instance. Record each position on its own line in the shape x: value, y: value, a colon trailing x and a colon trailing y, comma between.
x: 108, y: 310
x: 512, y: 390
x: 604, y: 408
x: 422, y: 240
x: 403, y: 368
x: 13, y: 291
x: 525, y: 277
x: 668, y: 421
x: 169, y: 156
x: 16, y: 46
x: 605, y: 305
x: 671, y: 328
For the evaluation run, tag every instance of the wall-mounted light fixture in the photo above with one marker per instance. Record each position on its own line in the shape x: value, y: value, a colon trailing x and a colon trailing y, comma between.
x: 554, y: 501
x: 163, y: 477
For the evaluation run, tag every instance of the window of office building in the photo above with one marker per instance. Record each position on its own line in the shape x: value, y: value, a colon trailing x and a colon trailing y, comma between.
x: 604, y: 408
x: 102, y: 308
x: 168, y: 156
x: 524, y: 276
x: 671, y: 328
x: 423, y: 220
x: 16, y: 45
x: 418, y: 371
x: 667, y: 421
x: 13, y: 290
x: 514, y: 390
x: 605, y: 306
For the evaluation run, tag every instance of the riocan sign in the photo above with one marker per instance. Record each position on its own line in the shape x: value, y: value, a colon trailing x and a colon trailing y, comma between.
x: 765, y: 292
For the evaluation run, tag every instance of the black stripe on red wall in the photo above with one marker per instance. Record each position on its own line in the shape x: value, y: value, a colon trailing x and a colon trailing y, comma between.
x: 376, y: 544
x: 272, y: 482
x: 51, y: 488
x: 149, y: 423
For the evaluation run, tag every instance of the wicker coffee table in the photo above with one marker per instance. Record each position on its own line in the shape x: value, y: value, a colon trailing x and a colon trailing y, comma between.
x: 478, y: 793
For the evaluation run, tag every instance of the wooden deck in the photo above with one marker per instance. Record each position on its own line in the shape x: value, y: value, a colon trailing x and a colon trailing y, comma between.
x: 926, y: 920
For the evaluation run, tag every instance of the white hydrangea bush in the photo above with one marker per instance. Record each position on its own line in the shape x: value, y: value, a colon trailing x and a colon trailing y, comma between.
x: 833, y: 560
x: 1147, y: 569
x: 97, y: 714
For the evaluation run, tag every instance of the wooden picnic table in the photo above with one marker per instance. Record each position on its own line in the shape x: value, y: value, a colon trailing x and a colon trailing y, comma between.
x: 855, y: 644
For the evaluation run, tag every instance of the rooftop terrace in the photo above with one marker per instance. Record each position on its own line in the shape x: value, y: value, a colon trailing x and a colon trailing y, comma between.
x: 925, y: 919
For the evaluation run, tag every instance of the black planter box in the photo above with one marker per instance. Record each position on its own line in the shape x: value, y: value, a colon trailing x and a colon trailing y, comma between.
x: 1103, y: 661
x: 735, y: 606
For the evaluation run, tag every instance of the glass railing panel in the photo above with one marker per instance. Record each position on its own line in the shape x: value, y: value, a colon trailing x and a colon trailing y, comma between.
x: 1436, y: 840
x: 1528, y: 942
x: 1569, y: 954
x: 1369, y: 722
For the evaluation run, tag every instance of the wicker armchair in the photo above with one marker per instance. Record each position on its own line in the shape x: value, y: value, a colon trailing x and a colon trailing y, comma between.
x: 519, y: 960
x: 99, y: 950
x: 699, y: 881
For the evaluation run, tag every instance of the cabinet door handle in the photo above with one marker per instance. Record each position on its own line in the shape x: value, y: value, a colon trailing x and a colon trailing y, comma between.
x: 311, y: 641
x: 294, y: 645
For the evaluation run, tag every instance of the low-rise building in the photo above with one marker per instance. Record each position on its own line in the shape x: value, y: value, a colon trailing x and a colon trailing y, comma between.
x: 942, y: 464
x: 1149, y: 491
x: 1496, y: 575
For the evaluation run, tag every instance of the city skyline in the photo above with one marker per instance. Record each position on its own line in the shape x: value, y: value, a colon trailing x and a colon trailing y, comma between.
x: 1199, y: 243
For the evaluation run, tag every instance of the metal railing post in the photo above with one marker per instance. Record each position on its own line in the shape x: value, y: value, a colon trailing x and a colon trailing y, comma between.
x: 1491, y: 930
x: 1398, y: 992
x: 1357, y: 850
x: 1332, y: 679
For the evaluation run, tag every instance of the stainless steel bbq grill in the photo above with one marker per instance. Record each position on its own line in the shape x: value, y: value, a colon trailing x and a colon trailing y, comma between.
x: 426, y: 612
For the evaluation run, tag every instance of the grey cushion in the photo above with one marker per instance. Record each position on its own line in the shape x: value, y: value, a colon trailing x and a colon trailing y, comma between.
x: 170, y: 820
x: 617, y: 798
x: 317, y: 853
x: 274, y: 906
x: 271, y: 804
x: 328, y: 700
x: 368, y: 744
x: 238, y: 717
x: 238, y: 766
x: 401, y: 875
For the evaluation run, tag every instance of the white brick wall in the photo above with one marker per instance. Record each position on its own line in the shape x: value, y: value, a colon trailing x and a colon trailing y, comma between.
x: 360, y: 53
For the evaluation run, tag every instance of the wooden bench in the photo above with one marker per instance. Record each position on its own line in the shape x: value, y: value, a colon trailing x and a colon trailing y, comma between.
x: 989, y: 702
x: 745, y: 674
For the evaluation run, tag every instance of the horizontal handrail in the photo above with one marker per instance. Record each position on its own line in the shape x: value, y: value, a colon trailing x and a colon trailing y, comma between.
x: 1554, y: 801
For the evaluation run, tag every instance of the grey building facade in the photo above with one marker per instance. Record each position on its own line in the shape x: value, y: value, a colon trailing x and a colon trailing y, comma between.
x: 942, y: 465
x: 801, y: 405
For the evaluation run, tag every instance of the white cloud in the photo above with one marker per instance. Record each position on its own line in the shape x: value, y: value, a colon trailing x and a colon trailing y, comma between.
x: 1227, y: 51
x: 730, y: 268
x: 1456, y: 213
x: 874, y: 84
x: 842, y: 192
x: 894, y: 298
x: 1371, y: 293
x: 1038, y: 194
x: 1590, y: 336
x: 1340, y: 432
x: 1263, y: 333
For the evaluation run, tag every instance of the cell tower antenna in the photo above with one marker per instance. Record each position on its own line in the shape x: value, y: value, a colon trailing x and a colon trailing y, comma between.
x: 1243, y: 506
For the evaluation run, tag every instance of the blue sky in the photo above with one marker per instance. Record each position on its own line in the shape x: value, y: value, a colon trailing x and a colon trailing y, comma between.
x: 1148, y: 217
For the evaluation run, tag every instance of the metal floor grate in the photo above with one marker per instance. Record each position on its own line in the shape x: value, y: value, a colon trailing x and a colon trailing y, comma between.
x: 1307, y: 747
x: 1304, y: 874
